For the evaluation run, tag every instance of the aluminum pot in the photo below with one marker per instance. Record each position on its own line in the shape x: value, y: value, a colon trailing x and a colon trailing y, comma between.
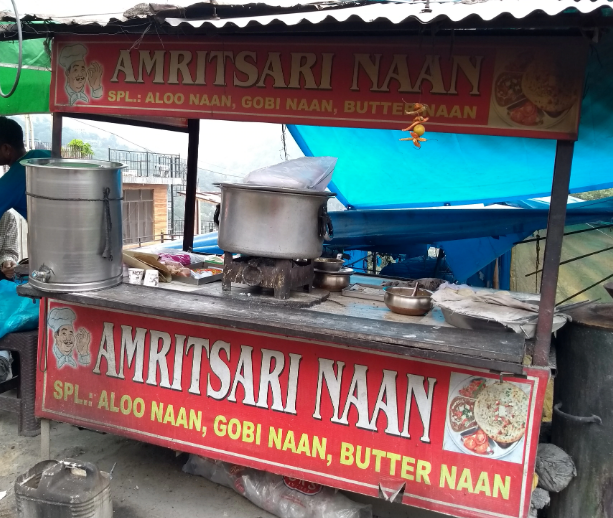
x: 74, y: 221
x: 273, y: 221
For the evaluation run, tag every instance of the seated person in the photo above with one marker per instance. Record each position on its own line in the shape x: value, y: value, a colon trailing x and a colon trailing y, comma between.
x: 9, y: 255
x: 9, y: 245
x: 13, y: 182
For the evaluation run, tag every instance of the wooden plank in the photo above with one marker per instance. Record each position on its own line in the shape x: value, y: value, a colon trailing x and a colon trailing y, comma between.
x: 56, y: 136
x: 553, y: 249
x: 160, y: 209
x: 499, y: 351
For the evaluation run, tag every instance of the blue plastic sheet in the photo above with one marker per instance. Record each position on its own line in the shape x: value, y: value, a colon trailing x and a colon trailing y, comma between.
x: 16, y: 313
x: 376, y: 170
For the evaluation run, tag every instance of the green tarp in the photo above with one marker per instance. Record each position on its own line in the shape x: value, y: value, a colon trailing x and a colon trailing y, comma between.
x: 32, y: 93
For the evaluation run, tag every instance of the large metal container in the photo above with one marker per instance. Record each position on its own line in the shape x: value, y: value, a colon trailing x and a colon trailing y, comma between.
x: 64, y: 489
x: 74, y: 220
x: 273, y: 221
x: 583, y: 412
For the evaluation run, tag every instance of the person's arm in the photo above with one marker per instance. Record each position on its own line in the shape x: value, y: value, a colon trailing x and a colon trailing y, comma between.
x: 9, y: 245
x: 12, y: 188
x: 9, y: 239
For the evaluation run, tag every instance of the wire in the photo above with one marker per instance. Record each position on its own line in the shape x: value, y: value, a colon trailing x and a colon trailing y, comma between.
x: 115, y: 134
x: 200, y: 167
x: 20, y: 61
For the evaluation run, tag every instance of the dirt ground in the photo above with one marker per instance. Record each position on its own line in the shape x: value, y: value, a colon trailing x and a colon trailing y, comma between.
x: 147, y: 481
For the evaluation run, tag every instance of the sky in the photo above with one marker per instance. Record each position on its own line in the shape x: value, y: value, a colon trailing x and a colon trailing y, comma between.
x: 235, y: 148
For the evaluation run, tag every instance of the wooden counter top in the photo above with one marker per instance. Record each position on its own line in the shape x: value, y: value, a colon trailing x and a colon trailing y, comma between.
x: 495, y: 351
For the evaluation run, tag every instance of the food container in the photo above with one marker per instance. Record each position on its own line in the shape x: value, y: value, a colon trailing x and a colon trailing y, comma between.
x: 74, y: 221
x: 474, y: 323
x: 273, y: 222
x: 332, y: 281
x: 203, y: 280
x: 135, y: 275
x: 64, y: 489
x: 328, y: 264
x: 407, y: 301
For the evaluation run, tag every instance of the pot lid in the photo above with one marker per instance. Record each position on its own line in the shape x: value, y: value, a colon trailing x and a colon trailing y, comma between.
x: 266, y: 188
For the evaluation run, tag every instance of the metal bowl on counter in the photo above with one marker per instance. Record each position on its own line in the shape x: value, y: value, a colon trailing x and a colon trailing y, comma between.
x: 332, y: 281
x: 408, y: 301
x: 328, y: 264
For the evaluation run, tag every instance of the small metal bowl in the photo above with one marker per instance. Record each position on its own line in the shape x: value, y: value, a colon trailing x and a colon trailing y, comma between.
x: 402, y: 300
x: 328, y: 264
x: 332, y: 281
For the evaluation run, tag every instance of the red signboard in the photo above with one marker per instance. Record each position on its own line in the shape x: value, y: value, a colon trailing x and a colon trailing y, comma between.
x: 457, y: 439
x: 516, y: 87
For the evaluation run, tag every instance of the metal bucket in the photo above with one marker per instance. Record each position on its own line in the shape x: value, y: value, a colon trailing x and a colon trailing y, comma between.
x: 64, y: 489
x: 273, y: 221
x: 74, y: 220
x: 583, y: 412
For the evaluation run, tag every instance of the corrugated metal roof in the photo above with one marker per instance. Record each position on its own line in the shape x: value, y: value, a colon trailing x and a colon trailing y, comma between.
x: 401, y: 11
x: 224, y: 16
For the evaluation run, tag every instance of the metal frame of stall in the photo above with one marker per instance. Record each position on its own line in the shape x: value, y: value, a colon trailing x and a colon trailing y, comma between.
x: 555, y: 227
x: 555, y: 224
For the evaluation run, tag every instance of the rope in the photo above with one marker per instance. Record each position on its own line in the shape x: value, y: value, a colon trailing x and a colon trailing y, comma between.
x: 106, y: 253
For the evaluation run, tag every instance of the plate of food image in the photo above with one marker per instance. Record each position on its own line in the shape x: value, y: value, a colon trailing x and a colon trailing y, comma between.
x: 535, y: 90
x: 487, y: 418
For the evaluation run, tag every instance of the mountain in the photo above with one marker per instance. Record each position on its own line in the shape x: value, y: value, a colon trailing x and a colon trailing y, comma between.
x: 100, y: 141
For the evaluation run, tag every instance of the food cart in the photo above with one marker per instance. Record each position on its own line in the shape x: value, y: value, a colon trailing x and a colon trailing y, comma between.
x: 363, y: 403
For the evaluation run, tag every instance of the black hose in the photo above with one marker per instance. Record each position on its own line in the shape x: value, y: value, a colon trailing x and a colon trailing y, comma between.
x: 20, y: 62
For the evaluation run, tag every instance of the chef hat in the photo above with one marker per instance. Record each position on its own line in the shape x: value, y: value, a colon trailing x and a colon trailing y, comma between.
x: 59, y: 317
x: 70, y: 54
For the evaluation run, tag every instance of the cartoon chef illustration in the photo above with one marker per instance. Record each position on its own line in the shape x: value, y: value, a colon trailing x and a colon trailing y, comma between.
x: 61, y: 321
x: 72, y: 60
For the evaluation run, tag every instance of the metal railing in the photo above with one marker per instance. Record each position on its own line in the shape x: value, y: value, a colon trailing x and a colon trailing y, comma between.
x: 147, y: 164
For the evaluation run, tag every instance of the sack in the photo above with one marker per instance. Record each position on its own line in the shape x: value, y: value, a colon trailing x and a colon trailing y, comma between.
x: 16, y: 313
x: 306, y: 173
x: 282, y: 496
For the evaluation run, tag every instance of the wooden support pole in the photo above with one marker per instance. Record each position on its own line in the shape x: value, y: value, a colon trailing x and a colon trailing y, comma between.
x: 553, y: 249
x: 56, y: 136
x: 191, y: 183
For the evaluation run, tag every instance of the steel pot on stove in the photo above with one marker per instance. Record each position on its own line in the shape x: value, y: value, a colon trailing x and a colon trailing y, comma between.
x: 273, y: 222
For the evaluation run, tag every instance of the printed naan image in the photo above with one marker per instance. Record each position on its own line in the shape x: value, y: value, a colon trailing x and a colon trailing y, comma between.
x: 550, y: 84
x: 501, y: 411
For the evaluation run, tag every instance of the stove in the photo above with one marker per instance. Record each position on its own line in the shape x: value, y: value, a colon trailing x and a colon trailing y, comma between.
x: 280, y: 275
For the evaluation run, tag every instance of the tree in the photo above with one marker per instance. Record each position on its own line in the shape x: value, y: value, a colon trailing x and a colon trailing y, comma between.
x: 78, y: 149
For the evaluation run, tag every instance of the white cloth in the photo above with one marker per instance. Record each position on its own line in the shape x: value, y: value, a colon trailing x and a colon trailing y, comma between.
x: 499, y: 307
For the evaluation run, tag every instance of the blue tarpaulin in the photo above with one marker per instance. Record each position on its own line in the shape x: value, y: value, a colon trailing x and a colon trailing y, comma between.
x: 376, y: 170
